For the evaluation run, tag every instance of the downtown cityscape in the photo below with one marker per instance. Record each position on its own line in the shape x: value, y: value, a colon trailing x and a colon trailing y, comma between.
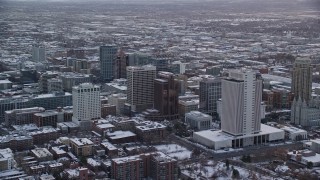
x: 159, y: 90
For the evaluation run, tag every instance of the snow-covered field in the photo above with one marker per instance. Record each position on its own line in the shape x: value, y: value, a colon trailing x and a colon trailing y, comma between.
x: 174, y: 151
x: 218, y: 171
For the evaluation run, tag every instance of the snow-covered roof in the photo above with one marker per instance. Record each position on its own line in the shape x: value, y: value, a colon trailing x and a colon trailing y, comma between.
x: 120, y: 134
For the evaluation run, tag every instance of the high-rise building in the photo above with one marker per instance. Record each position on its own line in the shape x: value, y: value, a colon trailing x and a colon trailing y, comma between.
x: 304, y: 110
x: 38, y: 53
x: 140, y: 87
x: 166, y: 92
x: 210, y: 93
x: 121, y: 63
x: 241, y: 103
x: 301, y: 85
x: 107, y: 61
x: 86, y: 104
x: 43, y: 80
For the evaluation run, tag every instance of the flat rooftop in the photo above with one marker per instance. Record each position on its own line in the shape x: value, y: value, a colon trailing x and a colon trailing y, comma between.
x: 219, y: 135
x: 81, y: 141
x: 104, y: 126
x: 214, y: 135
x: 127, y: 159
x: 108, y: 145
x: 292, y: 129
x: 120, y: 134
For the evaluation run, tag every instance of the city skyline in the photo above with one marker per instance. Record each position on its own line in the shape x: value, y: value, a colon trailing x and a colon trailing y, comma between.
x: 148, y: 89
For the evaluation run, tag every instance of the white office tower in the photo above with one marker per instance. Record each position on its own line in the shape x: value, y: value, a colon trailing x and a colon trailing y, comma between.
x: 241, y: 103
x: 86, y: 104
x: 140, y: 87
x: 38, y: 53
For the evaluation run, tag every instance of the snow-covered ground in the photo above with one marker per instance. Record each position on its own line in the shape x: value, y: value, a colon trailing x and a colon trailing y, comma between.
x: 218, y: 171
x: 282, y: 168
x: 174, y: 151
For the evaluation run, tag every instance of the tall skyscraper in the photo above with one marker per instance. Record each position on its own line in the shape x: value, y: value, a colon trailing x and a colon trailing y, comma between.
x: 121, y: 63
x: 86, y: 104
x: 210, y: 93
x: 301, y: 85
x: 107, y: 61
x: 38, y: 53
x: 140, y: 87
x: 166, y: 92
x: 241, y: 103
x: 302, y: 112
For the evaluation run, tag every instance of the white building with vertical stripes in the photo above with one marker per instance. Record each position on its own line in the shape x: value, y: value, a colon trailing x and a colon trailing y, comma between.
x: 241, y: 103
x: 240, y: 110
x: 86, y: 104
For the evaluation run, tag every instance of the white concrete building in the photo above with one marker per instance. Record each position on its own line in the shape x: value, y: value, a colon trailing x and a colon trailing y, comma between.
x: 86, y: 104
x: 219, y: 139
x: 198, y: 120
x: 241, y: 103
x: 294, y: 133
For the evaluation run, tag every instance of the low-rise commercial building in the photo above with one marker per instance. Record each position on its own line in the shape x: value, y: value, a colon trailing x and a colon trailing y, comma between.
x: 44, y: 135
x: 108, y: 109
x: 21, y: 116
x: 81, y: 146
x: 110, y: 149
x: 103, y: 128
x: 6, y: 159
x: 304, y: 157
x: 118, y: 137
x: 58, y: 152
x: 186, y: 106
x: 70, y: 79
x: 52, y: 101
x: 220, y: 140
x: 42, y: 154
x: 149, y: 131
x: 118, y: 100
x: 16, y: 142
x: 48, y: 118
x: 315, y: 145
x: 294, y: 134
x: 198, y: 120
x: 78, y: 173
x: 5, y: 84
